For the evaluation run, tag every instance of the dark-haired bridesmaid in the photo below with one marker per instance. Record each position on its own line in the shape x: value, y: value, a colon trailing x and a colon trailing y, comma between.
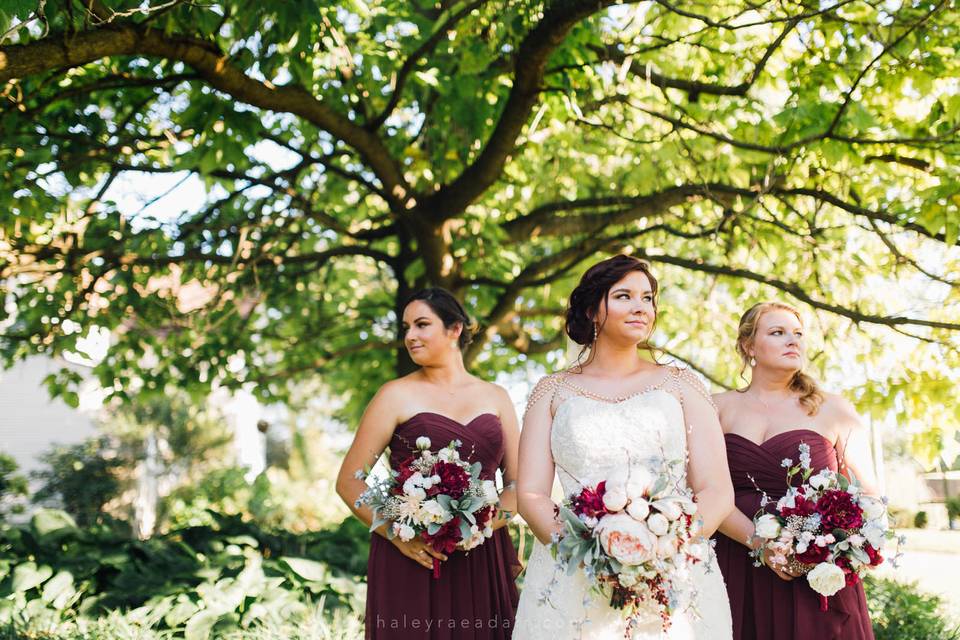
x: 475, y: 595
x: 763, y: 424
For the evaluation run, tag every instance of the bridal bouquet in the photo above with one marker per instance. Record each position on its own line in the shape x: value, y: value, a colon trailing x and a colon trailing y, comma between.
x: 826, y: 527
x: 437, y: 496
x: 634, y: 536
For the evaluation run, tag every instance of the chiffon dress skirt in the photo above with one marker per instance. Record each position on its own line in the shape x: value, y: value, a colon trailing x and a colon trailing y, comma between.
x: 475, y: 597
x: 764, y: 606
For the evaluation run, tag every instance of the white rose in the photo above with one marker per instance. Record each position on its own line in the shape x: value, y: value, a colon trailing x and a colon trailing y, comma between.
x: 872, y: 508
x: 625, y: 539
x: 423, y: 442
x: 405, y: 532
x: 768, y: 527
x: 638, y: 509
x: 826, y: 579
x: 615, y: 499
x: 658, y: 524
x: 668, y: 507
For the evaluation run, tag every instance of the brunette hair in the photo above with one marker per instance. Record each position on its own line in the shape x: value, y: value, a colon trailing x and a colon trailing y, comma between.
x: 448, y: 309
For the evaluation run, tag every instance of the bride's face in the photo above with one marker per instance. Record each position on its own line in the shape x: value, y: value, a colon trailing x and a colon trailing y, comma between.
x: 629, y: 312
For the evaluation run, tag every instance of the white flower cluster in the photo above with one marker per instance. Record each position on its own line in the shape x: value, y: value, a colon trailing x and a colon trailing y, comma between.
x: 646, y: 532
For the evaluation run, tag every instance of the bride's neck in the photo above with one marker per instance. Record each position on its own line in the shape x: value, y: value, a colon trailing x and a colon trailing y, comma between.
x: 613, y: 361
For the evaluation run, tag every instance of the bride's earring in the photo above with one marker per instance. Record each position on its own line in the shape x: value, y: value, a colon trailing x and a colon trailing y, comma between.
x: 753, y: 361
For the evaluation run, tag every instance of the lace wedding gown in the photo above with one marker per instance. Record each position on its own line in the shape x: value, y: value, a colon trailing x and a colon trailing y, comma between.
x: 590, y: 438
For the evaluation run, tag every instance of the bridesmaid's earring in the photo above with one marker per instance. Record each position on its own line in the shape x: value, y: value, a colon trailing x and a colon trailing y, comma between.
x: 594, y: 334
x: 753, y: 362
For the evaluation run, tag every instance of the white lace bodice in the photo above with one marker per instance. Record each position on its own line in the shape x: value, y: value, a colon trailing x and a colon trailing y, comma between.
x: 591, y: 439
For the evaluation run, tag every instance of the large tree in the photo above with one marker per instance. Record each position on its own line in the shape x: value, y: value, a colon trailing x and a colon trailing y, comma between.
x: 354, y: 151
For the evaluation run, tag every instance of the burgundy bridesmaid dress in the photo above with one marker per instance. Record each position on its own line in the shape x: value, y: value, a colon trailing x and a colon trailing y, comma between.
x: 475, y: 596
x: 764, y: 606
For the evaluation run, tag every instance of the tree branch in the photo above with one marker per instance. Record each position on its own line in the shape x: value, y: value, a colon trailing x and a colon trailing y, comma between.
x: 529, y: 66
x: 58, y: 50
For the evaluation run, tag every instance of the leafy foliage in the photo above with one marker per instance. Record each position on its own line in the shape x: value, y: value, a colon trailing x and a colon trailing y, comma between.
x: 82, y: 478
x: 902, y: 612
x: 342, y: 154
x: 194, y: 581
x: 13, y: 487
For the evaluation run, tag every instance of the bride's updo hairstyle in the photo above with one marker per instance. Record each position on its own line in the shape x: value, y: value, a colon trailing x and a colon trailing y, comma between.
x: 591, y: 292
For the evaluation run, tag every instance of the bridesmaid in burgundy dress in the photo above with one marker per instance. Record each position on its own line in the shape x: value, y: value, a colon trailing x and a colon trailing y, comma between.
x: 475, y: 596
x: 764, y: 424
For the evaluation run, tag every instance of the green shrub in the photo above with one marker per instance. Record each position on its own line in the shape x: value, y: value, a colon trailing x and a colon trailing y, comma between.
x: 13, y: 487
x: 953, y: 507
x: 218, y: 579
x: 81, y: 478
x: 920, y: 520
x: 900, y: 612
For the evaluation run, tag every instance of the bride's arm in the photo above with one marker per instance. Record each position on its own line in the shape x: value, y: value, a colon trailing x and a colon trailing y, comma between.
x: 536, y: 467
x: 707, y: 470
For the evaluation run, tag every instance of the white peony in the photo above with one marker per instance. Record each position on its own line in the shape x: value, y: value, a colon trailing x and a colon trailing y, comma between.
x: 638, y: 509
x: 822, y: 541
x: 872, y: 507
x: 875, y: 534
x: 658, y: 524
x: 768, y: 527
x: 639, y: 481
x: 423, y: 442
x: 615, y: 499
x: 625, y: 539
x: 826, y: 579
x: 405, y: 532
x: 820, y: 480
x: 668, y: 507
x: 433, y: 511
x: 490, y: 491
x: 667, y: 546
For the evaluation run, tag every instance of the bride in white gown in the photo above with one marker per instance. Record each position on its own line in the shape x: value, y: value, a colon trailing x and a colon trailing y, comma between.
x: 583, y: 423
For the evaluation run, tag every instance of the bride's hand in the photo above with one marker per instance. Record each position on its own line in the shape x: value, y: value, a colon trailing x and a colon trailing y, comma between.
x: 418, y: 551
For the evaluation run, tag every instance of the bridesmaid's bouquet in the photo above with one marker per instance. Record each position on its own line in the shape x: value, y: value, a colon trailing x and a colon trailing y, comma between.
x: 826, y: 528
x: 436, y: 496
x: 634, y: 535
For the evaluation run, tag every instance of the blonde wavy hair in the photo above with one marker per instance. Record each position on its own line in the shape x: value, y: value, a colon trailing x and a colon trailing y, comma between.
x: 811, y: 397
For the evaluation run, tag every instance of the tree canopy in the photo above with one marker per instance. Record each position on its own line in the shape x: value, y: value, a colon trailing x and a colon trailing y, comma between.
x: 355, y: 151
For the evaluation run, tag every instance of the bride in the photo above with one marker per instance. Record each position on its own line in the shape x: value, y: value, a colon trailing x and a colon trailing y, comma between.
x: 580, y: 422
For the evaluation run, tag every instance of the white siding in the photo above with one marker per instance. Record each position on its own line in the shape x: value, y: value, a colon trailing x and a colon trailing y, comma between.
x: 30, y: 422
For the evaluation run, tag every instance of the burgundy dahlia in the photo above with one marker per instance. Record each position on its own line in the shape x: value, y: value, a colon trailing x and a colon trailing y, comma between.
x: 453, y: 480
x: 445, y: 540
x: 838, y: 511
x: 589, y: 502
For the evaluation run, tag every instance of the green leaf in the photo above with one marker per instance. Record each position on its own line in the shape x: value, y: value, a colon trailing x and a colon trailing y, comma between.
x: 200, y: 625
x: 52, y: 523
x: 59, y: 589
x: 306, y: 569
x: 28, y: 575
